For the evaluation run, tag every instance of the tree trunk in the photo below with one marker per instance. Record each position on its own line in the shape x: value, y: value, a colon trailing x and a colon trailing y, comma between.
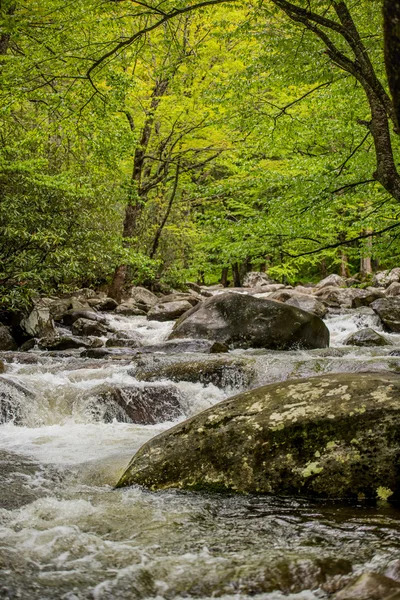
x: 236, y: 275
x: 391, y: 14
x: 366, y: 261
x: 224, y: 277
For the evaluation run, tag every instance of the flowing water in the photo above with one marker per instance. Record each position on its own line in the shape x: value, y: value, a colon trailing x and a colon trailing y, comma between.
x: 65, y: 533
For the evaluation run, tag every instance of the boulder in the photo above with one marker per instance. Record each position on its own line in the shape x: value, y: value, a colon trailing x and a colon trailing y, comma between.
x: 221, y: 371
x: 332, y: 281
x: 388, y: 310
x: 192, y: 298
x: 64, y: 342
x: 369, y: 586
x: 39, y: 322
x: 393, y: 289
x: 335, y: 436
x: 58, y: 308
x: 142, y: 404
x: 7, y: 341
x: 107, y: 304
x: 242, y: 321
x: 143, y: 296
x: 366, y: 337
x: 129, y: 310
x: 308, y: 303
x: 256, y: 279
x: 79, y: 304
x: 169, y: 311
x: 335, y: 296
x: 364, y: 297
x: 87, y: 327
x: 121, y: 341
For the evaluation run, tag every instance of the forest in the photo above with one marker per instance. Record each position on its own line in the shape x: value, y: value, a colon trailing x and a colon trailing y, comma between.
x: 154, y: 143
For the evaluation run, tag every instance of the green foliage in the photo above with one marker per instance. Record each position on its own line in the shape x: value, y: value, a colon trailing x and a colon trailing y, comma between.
x: 274, y: 159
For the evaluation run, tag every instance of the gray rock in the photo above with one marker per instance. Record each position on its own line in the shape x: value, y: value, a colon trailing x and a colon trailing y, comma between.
x: 107, y: 304
x: 118, y: 341
x: 7, y: 341
x: 256, y: 279
x: 364, y: 297
x: 142, y: 404
x: 367, y: 337
x: 88, y: 327
x: 169, y: 311
x: 308, y: 303
x: 143, y: 296
x: 59, y: 308
x: 73, y: 315
x: 332, y: 281
x: 192, y: 298
x: 334, y: 436
x: 393, y: 289
x: 388, y: 310
x: 241, y: 321
x: 129, y: 310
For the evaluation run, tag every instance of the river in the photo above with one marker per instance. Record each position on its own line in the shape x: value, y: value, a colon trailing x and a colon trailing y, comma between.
x: 65, y: 533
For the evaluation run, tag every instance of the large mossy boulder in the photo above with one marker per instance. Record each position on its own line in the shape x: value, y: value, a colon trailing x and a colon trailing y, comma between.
x: 242, y: 321
x: 335, y: 436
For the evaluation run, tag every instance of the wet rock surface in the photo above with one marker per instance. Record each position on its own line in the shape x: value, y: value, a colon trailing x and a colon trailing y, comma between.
x: 335, y: 436
x: 367, y: 337
x: 142, y: 404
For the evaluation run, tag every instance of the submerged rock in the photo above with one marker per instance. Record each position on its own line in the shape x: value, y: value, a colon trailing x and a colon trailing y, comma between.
x: 335, y: 436
x: 221, y: 371
x: 242, y: 321
x: 193, y: 346
x: 367, y: 337
x: 144, y: 405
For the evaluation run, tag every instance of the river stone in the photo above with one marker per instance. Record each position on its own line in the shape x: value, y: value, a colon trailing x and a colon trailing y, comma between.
x: 388, y: 310
x: 169, y: 311
x: 141, y: 404
x: 242, y: 321
x: 142, y: 296
x: 7, y: 341
x: 308, y: 303
x: 107, y: 304
x: 119, y: 341
x: 393, y: 289
x: 367, y: 337
x: 335, y: 436
x: 129, y: 310
x: 369, y: 586
x: 88, y: 327
x: 331, y: 280
x: 73, y: 315
x: 221, y: 371
x: 256, y: 279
